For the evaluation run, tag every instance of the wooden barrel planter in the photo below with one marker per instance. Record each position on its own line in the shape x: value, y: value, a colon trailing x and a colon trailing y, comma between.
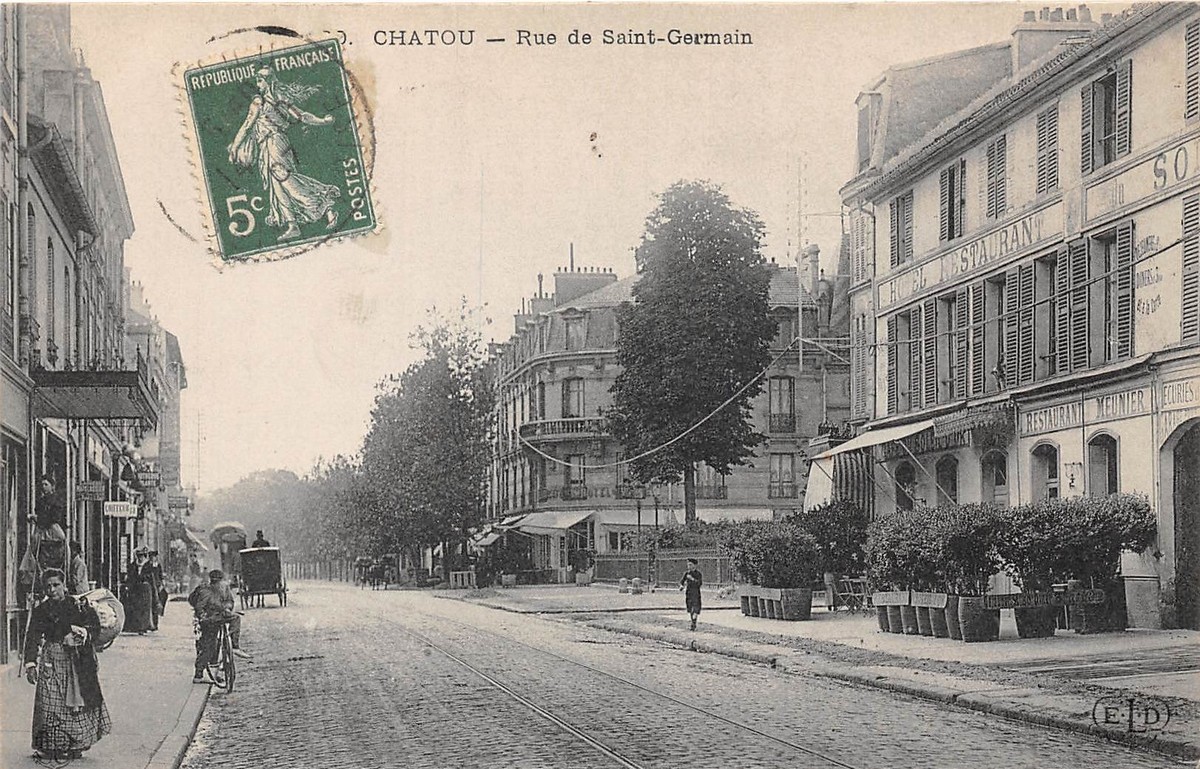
x: 891, y: 601
x: 951, y: 614
x: 976, y: 622
x: 931, y: 614
x: 881, y: 615
x: 908, y: 616
x: 791, y: 604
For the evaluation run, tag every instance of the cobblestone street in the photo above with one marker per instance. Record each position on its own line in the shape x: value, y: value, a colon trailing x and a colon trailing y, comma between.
x: 341, y: 678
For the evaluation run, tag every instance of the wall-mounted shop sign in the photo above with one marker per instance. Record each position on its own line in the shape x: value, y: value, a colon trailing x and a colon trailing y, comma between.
x: 924, y: 443
x: 91, y: 491
x: 179, y: 503
x: 148, y: 477
x: 1175, y: 165
x: 1048, y: 419
x: 1118, y: 405
x: 988, y: 250
x: 120, y: 510
x: 1178, y: 401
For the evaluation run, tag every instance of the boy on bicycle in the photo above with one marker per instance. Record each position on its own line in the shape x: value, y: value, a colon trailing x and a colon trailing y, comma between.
x: 212, y: 604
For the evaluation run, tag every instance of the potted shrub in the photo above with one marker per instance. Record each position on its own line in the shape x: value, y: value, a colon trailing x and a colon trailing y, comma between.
x: 969, y: 535
x: 1031, y: 547
x: 839, y: 530
x: 1099, y: 529
x: 892, y: 554
x: 777, y: 563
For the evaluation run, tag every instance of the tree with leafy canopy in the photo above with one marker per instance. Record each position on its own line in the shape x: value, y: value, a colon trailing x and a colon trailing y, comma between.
x: 426, y: 453
x: 697, y: 331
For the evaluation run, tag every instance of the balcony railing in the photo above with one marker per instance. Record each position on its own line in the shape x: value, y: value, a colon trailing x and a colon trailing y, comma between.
x: 782, y: 491
x: 564, y: 429
x: 630, y: 491
x: 574, y: 492
x: 782, y: 423
x: 709, y: 491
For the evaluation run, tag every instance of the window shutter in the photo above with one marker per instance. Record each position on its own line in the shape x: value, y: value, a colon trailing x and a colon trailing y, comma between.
x: 1078, y: 266
x: 1124, y: 282
x: 1025, y: 345
x: 990, y: 179
x: 931, y: 339
x: 893, y: 361
x: 1124, y: 106
x: 960, y: 212
x: 1062, y: 312
x: 908, y: 227
x: 1047, y: 150
x: 1189, y: 330
x: 1086, y: 140
x: 962, y: 319
x: 1001, y: 176
x: 978, y: 367
x: 944, y: 203
x: 566, y: 399
x: 1192, y: 70
x: 895, y: 229
x: 1011, y: 325
x: 915, y: 327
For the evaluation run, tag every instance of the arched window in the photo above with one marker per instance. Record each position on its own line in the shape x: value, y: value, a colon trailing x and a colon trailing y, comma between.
x: 1102, y: 465
x: 947, y: 480
x: 1045, y: 471
x: 906, y: 486
x: 994, y: 480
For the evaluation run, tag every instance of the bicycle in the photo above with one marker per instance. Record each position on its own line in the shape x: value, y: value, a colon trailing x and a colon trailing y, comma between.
x: 223, y: 670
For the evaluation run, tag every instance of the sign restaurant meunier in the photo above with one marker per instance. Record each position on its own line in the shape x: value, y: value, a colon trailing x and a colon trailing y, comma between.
x: 983, y: 252
x: 1092, y: 409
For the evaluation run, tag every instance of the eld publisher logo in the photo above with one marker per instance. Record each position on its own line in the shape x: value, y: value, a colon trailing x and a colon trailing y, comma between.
x: 1134, y: 714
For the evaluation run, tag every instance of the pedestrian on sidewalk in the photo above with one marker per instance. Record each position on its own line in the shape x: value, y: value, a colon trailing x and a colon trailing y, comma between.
x: 212, y: 604
x: 69, y: 714
x: 158, y: 587
x: 690, y: 583
x: 139, y: 594
x: 78, y: 583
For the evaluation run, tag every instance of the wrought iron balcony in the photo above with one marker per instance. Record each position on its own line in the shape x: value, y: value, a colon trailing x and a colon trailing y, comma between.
x: 630, y: 491
x: 710, y: 491
x: 574, y: 492
x: 782, y: 491
x: 782, y: 423
x: 569, y: 428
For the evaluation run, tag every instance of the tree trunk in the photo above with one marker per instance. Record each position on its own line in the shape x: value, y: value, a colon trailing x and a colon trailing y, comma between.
x: 689, y: 494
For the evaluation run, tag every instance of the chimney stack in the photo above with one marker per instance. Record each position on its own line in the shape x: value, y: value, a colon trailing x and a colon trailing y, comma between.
x: 1034, y: 39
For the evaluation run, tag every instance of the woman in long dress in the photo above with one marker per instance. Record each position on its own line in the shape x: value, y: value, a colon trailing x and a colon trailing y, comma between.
x: 139, y: 594
x: 69, y: 714
x: 262, y: 142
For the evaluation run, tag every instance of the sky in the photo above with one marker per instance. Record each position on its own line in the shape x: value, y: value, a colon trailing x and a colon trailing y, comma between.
x: 491, y: 161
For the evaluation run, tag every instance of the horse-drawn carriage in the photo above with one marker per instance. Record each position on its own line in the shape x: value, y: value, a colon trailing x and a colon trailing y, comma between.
x: 262, y: 575
x: 229, y: 539
x: 377, y: 572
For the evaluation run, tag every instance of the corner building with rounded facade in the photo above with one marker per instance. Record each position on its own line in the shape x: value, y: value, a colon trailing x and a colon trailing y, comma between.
x: 1025, y: 298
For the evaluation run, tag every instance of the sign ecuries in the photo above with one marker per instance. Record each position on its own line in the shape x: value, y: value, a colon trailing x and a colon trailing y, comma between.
x: 120, y: 509
x: 91, y: 491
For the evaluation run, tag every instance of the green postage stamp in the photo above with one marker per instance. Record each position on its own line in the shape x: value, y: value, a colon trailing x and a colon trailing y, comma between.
x: 279, y: 150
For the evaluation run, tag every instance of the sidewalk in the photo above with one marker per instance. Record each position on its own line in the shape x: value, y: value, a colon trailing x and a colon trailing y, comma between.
x: 1056, y: 681
x: 147, y: 683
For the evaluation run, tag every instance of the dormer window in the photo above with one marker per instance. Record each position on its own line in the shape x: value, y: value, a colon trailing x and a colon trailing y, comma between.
x: 576, y: 333
x: 868, y: 113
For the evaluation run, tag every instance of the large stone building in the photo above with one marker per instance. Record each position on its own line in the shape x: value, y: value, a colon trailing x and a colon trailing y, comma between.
x: 1026, y: 280
x: 558, y: 475
x: 74, y: 403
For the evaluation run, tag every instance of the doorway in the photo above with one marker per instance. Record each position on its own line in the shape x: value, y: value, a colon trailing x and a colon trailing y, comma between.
x: 1186, y: 500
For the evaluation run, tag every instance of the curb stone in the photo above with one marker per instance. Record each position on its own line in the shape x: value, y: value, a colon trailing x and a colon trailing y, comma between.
x: 994, y: 700
x: 169, y: 753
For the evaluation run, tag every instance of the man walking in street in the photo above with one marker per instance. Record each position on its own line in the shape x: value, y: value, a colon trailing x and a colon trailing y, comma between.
x: 690, y: 584
x: 213, y: 603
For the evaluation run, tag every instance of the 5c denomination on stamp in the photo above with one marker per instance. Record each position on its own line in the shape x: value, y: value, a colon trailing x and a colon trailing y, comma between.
x: 279, y: 150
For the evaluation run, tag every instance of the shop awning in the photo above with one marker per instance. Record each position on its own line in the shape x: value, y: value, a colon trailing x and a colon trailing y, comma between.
x: 876, y: 437
x: 195, y: 540
x: 973, y: 418
x: 487, y: 539
x: 511, y: 520
x: 628, y: 519
x: 552, y: 523
x: 94, y: 395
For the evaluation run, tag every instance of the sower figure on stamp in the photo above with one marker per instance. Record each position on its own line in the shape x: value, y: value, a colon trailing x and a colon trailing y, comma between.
x: 293, y: 198
x: 690, y: 583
